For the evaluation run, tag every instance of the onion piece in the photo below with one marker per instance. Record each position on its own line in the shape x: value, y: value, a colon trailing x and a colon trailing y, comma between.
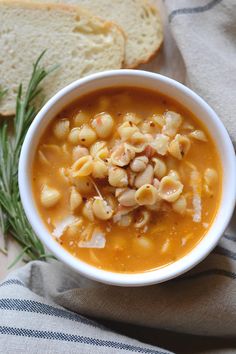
x: 197, y: 203
x: 98, y: 240
x: 62, y: 225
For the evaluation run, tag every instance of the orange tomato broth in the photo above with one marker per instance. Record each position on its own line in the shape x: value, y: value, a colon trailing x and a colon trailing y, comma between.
x: 172, y: 235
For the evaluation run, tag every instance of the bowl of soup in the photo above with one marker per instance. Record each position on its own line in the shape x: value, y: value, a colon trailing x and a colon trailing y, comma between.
x: 128, y: 177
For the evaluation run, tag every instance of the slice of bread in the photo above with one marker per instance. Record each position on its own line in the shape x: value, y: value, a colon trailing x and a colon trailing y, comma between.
x: 139, y: 20
x: 79, y: 43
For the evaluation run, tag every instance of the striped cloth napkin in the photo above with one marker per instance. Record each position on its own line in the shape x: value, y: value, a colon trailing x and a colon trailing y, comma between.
x: 46, y: 308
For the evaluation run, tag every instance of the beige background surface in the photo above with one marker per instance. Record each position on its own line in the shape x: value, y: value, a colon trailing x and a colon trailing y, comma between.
x: 168, y: 62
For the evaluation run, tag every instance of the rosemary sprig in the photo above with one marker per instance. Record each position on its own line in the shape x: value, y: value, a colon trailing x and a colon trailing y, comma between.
x: 12, y: 217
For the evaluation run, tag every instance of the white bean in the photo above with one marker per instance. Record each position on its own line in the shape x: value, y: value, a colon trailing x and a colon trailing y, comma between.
x: 144, y: 177
x: 139, y: 163
x: 127, y: 197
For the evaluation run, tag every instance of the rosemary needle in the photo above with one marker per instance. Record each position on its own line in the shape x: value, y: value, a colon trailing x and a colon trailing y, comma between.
x: 13, y: 220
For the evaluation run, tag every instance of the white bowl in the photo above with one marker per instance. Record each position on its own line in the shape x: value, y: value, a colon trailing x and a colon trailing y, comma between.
x: 166, y: 86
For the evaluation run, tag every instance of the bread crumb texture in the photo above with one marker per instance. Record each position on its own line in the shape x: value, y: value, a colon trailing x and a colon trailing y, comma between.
x: 78, y: 42
x: 139, y: 20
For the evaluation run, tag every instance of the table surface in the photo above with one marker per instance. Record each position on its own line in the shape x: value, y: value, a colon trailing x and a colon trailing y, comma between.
x: 168, y: 61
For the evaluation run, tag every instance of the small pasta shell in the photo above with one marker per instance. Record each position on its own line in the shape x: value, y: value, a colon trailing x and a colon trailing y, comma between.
x: 126, y: 130
x: 142, y: 219
x: 122, y: 155
x: 117, y: 177
x: 139, y: 164
x: 147, y: 127
x: 173, y: 121
x: 101, y: 209
x: 138, y: 139
x: 159, y: 119
x: 198, y: 135
x: 80, y: 118
x: 159, y: 168
x: 131, y: 117
x: 61, y: 129
x: 210, y: 176
x: 78, y: 152
x: 100, y: 169
x: 146, y: 195
x: 74, y: 136
x: 82, y: 167
x: 170, y: 189
x: 87, y: 136
x: 187, y: 126
x: 136, y: 148
x: 103, y: 124
x: 144, y: 177
x: 75, y: 199
x: 49, y: 197
x: 179, y: 147
x: 180, y: 205
x: 127, y: 197
x: 99, y: 150
x: 160, y: 144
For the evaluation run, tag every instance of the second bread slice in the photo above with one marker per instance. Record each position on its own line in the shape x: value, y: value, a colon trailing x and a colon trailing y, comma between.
x: 81, y: 44
x: 139, y: 20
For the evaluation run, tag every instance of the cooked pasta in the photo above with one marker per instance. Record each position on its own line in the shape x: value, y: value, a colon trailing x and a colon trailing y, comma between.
x: 129, y: 179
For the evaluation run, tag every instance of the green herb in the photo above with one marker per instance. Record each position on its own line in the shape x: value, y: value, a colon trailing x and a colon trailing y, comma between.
x: 12, y: 216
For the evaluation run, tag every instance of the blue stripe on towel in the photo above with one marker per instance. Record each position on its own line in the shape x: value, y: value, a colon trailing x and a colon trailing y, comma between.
x: 12, y: 282
x: 40, y: 308
x: 193, y: 10
x: 224, y: 252
x: 205, y: 273
x: 230, y: 237
x: 30, y: 333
